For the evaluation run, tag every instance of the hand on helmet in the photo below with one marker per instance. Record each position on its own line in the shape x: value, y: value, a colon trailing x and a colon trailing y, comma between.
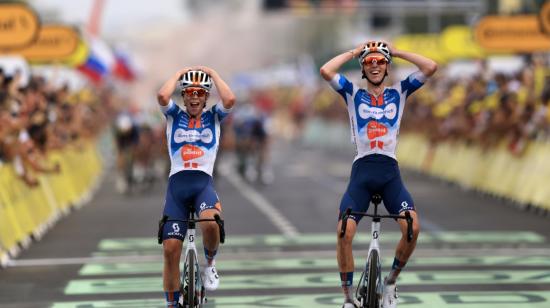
x: 357, y: 51
x: 196, y: 76
x: 390, y: 47
x: 205, y: 69
x: 375, y: 46
x: 184, y: 70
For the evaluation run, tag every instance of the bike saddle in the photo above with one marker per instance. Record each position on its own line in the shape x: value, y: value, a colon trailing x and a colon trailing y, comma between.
x: 376, y: 198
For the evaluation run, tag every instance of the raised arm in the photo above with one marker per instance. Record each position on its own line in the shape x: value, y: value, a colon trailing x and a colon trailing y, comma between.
x: 330, y: 69
x: 226, y: 95
x: 426, y: 65
x: 165, y: 92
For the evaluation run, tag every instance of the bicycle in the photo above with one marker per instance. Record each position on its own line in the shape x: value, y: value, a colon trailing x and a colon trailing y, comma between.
x: 191, y: 287
x: 370, y: 287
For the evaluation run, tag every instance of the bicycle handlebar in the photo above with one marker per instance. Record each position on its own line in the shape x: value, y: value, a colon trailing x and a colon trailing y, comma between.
x: 349, y: 213
x: 217, y: 219
x: 345, y: 217
x: 409, y: 221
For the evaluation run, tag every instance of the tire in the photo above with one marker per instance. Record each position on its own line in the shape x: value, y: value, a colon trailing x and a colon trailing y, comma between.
x: 190, y: 288
x: 372, y: 296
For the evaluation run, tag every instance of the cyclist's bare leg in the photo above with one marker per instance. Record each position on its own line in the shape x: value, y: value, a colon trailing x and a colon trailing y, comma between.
x: 172, y: 252
x: 344, y: 252
x: 404, y: 249
x: 344, y: 255
x: 211, y: 234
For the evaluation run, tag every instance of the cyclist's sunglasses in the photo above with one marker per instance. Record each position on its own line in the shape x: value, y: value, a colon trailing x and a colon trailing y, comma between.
x: 371, y: 60
x: 199, y: 92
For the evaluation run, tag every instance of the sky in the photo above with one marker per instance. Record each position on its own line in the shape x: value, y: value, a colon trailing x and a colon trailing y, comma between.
x: 116, y: 13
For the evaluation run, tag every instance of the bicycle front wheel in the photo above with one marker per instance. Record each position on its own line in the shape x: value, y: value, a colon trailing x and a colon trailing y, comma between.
x: 190, y: 288
x: 372, y: 296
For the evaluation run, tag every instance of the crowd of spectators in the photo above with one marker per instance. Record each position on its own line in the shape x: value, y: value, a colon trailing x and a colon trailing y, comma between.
x: 37, y: 117
x: 485, y: 109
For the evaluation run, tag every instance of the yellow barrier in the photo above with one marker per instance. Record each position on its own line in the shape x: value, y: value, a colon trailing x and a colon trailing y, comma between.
x: 497, y: 171
x: 26, y: 212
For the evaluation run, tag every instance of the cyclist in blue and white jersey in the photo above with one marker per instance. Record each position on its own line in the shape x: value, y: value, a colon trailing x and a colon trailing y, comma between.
x: 193, y: 138
x: 375, y: 115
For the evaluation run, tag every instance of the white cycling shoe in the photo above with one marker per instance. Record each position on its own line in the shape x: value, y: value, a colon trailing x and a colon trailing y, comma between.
x: 390, y: 296
x: 353, y: 304
x: 210, y: 278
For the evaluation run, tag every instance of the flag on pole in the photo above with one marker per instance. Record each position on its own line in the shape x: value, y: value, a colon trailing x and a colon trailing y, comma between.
x: 100, y: 61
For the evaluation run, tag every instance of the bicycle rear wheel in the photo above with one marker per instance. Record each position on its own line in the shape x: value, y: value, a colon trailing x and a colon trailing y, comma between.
x: 372, y: 296
x: 190, y: 288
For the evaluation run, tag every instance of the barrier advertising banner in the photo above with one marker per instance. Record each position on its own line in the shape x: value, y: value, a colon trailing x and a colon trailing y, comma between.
x: 19, y: 25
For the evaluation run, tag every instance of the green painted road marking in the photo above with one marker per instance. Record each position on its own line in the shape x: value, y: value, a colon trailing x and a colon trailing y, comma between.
x: 316, y: 280
x: 509, y: 299
x: 313, y: 264
x: 450, y: 237
x: 151, y: 303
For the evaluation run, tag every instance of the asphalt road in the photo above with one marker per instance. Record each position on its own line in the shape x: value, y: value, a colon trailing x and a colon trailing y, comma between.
x: 474, y: 250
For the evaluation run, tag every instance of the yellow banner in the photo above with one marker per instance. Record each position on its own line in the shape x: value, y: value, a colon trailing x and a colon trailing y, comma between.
x: 514, y: 33
x: 457, y: 42
x: 55, y: 43
x: 427, y: 45
x: 19, y: 25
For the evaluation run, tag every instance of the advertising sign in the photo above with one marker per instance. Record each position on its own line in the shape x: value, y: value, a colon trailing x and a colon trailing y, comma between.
x: 19, y: 25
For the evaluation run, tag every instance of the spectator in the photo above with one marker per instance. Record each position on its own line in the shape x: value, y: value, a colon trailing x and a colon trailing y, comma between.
x: 37, y: 118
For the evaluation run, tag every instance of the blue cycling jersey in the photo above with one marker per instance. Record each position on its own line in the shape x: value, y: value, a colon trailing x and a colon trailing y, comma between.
x: 193, y: 143
x: 375, y: 121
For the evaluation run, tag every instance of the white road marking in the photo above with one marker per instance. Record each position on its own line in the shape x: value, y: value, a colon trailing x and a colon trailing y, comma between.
x: 261, y: 203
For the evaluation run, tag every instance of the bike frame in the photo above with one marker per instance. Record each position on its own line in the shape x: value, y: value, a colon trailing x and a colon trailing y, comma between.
x: 190, y: 236
x: 191, y: 249
x: 190, y: 246
x: 375, y: 232
x: 374, y: 246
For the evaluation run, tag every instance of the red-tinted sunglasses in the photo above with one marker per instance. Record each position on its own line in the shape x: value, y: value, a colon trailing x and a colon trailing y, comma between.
x: 371, y: 60
x: 200, y: 92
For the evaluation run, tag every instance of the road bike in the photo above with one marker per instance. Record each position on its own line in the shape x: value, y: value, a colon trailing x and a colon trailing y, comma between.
x: 191, y: 286
x: 370, y: 288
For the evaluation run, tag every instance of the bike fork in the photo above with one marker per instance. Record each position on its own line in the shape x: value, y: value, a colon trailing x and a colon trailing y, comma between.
x: 364, y: 280
x: 374, y: 245
x: 199, y: 289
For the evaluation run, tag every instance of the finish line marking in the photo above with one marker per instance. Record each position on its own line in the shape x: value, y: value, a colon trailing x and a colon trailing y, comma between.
x: 313, y: 281
x: 513, y: 299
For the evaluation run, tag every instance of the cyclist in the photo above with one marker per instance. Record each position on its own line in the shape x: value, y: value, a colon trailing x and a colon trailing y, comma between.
x: 127, y: 136
x: 192, y: 136
x: 375, y: 115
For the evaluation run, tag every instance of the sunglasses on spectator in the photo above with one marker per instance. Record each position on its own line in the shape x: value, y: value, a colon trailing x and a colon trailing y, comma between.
x: 199, y: 92
x: 371, y: 60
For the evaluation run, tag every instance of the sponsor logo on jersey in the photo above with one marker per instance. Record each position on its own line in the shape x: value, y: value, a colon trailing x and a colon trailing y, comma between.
x: 207, y: 136
x: 189, y: 152
x: 375, y: 130
x: 389, y: 112
x: 181, y: 135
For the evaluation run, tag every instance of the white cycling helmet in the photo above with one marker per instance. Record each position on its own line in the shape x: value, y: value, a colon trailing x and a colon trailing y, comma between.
x: 377, y: 46
x: 195, y: 79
